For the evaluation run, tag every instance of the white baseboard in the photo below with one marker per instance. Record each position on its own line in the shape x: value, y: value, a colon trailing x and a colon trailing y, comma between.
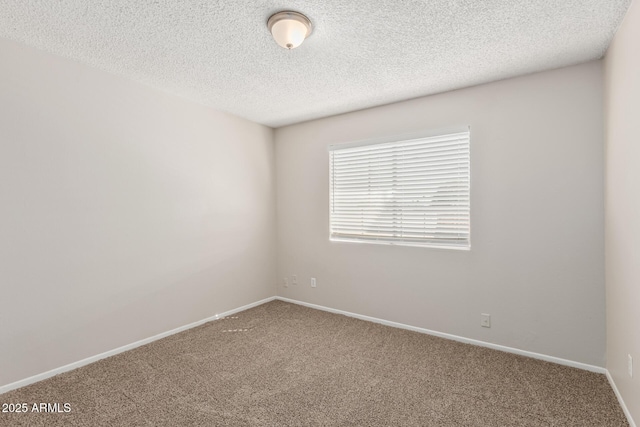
x: 88, y: 360
x: 620, y: 400
x: 558, y: 360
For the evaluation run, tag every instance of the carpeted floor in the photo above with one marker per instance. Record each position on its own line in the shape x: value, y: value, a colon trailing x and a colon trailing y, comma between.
x: 281, y: 364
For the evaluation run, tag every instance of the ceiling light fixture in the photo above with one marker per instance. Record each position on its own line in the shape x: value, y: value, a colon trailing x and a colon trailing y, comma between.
x: 289, y: 29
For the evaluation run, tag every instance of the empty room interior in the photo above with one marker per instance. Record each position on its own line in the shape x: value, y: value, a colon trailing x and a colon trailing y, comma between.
x: 267, y: 213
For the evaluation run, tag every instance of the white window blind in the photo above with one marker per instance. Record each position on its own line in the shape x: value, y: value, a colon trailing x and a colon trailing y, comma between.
x: 411, y: 192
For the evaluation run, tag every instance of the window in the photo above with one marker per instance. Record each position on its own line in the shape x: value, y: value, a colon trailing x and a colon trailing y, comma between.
x: 408, y: 192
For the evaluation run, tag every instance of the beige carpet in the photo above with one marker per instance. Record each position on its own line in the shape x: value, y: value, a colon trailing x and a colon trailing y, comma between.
x: 281, y: 364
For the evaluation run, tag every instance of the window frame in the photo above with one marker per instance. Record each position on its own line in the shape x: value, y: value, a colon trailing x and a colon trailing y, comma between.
x: 433, y: 133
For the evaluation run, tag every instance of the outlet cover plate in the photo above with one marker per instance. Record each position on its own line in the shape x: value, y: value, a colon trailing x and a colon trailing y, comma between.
x: 485, y: 320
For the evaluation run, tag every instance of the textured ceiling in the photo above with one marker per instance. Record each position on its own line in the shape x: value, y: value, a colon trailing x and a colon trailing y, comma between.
x: 362, y: 53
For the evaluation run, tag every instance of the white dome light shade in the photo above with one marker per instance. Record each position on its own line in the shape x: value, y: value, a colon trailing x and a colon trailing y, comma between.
x: 289, y: 29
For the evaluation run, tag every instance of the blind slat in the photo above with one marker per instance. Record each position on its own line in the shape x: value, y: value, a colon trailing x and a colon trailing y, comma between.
x: 406, y: 156
x: 391, y: 175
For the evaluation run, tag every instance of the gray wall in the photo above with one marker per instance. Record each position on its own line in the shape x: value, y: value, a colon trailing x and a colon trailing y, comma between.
x: 124, y: 212
x: 537, y: 247
x: 622, y: 207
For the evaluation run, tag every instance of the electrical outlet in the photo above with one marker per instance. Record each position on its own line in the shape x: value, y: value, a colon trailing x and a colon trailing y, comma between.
x: 630, y: 365
x: 485, y: 320
x: 313, y: 282
x: 285, y: 282
x: 294, y: 280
